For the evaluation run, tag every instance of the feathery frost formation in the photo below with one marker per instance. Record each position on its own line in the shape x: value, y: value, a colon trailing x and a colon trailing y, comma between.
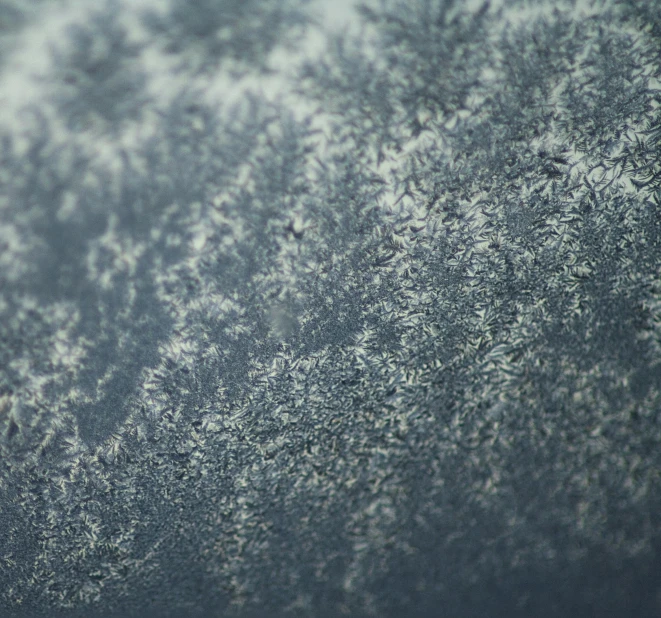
x: 385, y: 342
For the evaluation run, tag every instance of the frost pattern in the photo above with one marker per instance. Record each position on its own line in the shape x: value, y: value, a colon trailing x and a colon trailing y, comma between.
x: 386, y: 342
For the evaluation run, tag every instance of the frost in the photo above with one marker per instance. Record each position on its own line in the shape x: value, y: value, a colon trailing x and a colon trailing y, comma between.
x: 377, y: 344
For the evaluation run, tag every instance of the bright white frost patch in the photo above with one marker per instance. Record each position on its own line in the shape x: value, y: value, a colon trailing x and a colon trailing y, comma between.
x: 111, y: 254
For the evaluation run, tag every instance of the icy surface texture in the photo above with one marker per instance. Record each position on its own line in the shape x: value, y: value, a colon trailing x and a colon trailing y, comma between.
x: 309, y: 309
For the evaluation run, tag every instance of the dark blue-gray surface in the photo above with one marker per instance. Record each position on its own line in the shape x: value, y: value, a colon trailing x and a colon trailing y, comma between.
x: 307, y: 320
